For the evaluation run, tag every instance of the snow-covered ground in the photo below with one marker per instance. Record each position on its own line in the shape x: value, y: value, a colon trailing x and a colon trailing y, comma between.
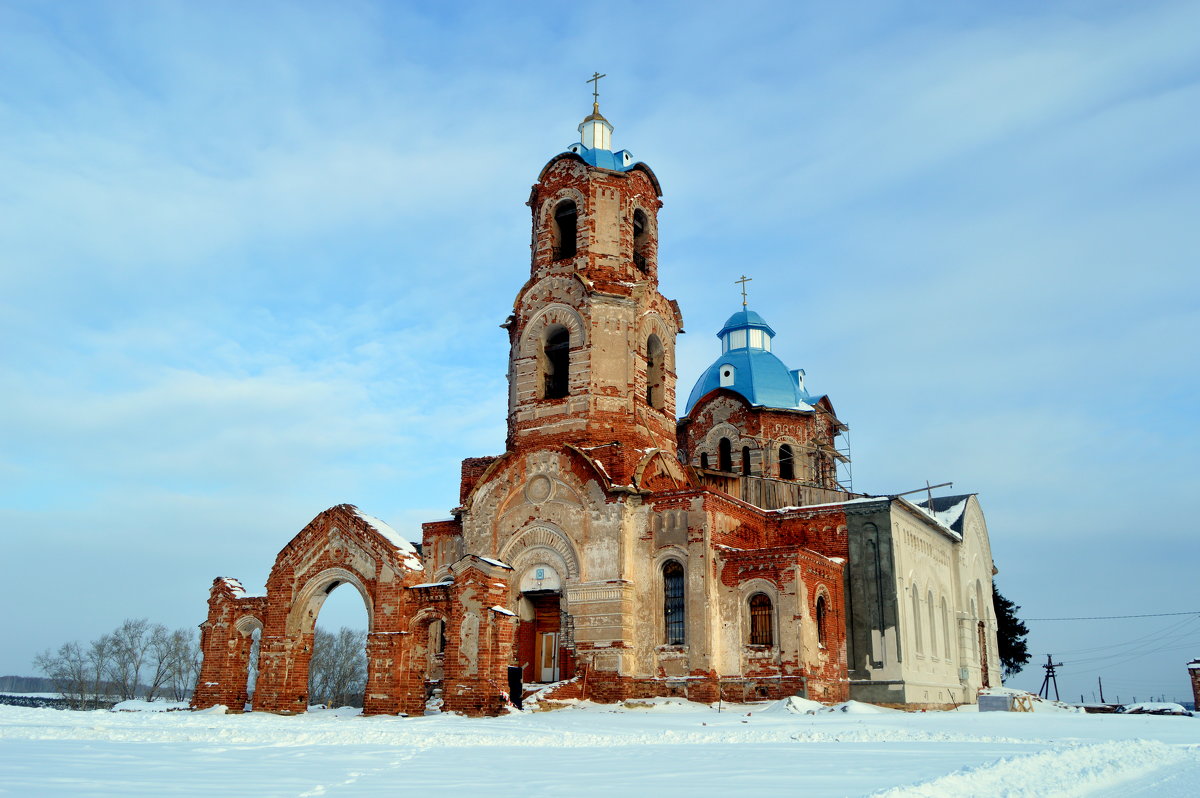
x: 662, y: 748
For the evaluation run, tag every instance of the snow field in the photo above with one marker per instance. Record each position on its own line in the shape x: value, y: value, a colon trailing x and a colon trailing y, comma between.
x: 666, y: 747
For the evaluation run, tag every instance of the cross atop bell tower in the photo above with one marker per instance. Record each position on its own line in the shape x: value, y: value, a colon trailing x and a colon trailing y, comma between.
x: 595, y: 132
x: 595, y: 81
x: 743, y: 282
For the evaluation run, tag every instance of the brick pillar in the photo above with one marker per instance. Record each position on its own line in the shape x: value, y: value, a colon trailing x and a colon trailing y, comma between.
x: 480, y: 636
x: 1194, y: 672
x: 283, y: 674
x: 392, y: 686
x: 224, y: 647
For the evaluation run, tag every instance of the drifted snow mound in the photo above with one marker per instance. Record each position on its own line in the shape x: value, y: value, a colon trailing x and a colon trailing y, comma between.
x: 138, y: 705
x: 337, y: 712
x: 1075, y: 771
x: 215, y: 709
x: 793, y: 705
x: 858, y: 708
x: 1154, y: 708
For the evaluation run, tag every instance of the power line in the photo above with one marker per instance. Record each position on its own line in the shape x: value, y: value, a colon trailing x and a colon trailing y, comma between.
x: 1115, y: 617
x: 1156, y: 635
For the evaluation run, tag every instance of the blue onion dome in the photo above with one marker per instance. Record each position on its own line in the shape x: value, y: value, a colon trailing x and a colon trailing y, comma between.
x: 748, y: 367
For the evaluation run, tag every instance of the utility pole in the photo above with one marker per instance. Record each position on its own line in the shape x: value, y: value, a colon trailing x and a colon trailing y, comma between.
x: 1050, y: 677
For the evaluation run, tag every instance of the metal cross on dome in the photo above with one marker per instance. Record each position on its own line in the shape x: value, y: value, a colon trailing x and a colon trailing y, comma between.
x: 743, y: 281
x: 595, y: 81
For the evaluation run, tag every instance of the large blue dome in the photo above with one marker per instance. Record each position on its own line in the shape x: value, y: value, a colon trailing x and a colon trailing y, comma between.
x: 748, y: 367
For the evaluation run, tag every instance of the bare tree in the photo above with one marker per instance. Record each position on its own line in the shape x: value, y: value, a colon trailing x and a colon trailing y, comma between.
x: 185, y: 663
x: 68, y: 668
x: 162, y: 658
x: 131, y: 646
x: 337, y: 672
x: 99, y: 657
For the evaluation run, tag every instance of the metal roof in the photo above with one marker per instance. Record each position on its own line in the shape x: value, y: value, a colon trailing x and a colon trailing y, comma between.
x: 746, y: 318
x: 619, y: 161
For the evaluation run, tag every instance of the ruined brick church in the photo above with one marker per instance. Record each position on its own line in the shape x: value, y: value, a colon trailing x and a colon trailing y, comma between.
x: 622, y: 551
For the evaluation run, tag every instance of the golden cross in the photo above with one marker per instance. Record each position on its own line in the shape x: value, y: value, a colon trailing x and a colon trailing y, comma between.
x: 595, y: 81
x: 743, y: 281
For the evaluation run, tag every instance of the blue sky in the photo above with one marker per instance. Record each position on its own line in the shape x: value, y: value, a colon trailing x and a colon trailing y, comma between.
x: 254, y: 259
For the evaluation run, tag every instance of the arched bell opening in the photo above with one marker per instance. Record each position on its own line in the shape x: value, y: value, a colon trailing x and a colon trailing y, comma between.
x: 655, y: 384
x: 641, y: 241
x: 565, y: 229
x: 555, y: 362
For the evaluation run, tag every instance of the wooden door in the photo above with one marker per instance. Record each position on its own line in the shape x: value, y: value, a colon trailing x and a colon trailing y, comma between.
x: 548, y: 656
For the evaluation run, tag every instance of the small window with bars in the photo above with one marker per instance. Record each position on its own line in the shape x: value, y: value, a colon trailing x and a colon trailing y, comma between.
x: 762, y: 632
x: 673, y: 610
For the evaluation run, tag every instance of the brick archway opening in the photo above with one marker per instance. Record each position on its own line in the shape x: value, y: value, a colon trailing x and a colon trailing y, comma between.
x: 429, y: 632
x: 337, y: 668
x: 341, y: 546
x: 250, y: 629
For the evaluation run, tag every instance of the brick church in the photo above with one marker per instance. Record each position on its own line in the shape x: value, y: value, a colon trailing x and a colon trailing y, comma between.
x: 620, y: 550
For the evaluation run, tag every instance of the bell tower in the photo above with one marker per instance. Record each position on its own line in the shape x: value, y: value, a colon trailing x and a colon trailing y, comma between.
x: 592, y: 359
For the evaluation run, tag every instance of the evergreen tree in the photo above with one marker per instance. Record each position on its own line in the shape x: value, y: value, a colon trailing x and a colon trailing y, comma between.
x: 1010, y: 635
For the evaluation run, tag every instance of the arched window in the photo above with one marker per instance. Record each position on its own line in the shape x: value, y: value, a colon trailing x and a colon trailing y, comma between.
x: 916, y: 618
x: 761, y: 631
x: 673, y: 614
x: 704, y: 460
x: 787, y: 465
x: 974, y: 637
x: 654, y: 372
x: 252, y: 664
x: 641, y: 240
x: 822, y: 611
x: 932, y: 625
x: 556, y: 362
x: 724, y: 455
x: 746, y: 460
x: 945, y: 629
x: 565, y: 224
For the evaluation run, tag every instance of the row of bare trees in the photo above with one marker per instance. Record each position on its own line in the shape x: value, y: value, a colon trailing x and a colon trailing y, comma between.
x: 138, y: 659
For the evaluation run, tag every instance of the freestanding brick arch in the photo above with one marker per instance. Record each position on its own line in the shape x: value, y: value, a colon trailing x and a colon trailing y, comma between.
x: 340, y: 546
x: 344, y: 546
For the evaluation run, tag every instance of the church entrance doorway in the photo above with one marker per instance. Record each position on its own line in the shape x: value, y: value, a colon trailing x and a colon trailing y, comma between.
x: 540, y: 636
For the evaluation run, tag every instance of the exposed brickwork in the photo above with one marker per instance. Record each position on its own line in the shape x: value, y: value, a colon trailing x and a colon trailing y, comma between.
x: 226, y: 638
x: 479, y: 639
x: 441, y: 545
x: 472, y: 469
x: 1194, y: 673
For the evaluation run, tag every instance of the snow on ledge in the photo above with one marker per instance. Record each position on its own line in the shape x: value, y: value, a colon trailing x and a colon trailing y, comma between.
x: 860, y: 500
x: 412, y: 561
x: 496, y: 563
x: 234, y: 585
x: 500, y: 610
